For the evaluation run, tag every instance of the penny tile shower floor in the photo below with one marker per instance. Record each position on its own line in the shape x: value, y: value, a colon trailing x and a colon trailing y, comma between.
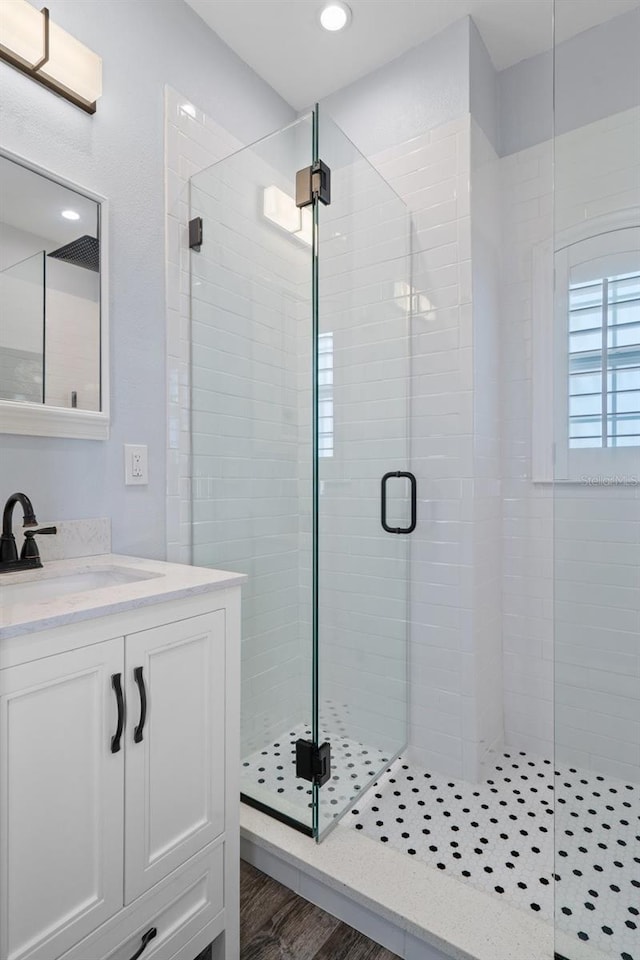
x: 498, y: 835
x: 353, y: 767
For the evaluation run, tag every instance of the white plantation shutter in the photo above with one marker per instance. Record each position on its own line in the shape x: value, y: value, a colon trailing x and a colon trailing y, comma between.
x: 586, y: 353
x: 604, y: 362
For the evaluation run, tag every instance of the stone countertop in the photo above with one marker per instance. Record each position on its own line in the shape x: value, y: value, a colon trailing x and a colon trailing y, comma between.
x: 162, y: 581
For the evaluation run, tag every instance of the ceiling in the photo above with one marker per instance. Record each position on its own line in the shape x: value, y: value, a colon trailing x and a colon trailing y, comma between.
x: 34, y: 204
x: 283, y: 42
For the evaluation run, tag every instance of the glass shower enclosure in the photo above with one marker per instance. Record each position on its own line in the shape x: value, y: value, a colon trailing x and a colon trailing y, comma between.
x: 301, y: 305
x: 595, y: 383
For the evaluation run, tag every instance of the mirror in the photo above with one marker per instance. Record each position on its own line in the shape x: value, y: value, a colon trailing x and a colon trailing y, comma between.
x: 52, y: 317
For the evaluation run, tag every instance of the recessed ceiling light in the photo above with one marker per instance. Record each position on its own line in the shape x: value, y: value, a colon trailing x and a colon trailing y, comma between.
x: 70, y: 215
x: 335, y: 16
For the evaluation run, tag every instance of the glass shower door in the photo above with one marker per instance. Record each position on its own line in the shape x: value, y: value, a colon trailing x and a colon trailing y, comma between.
x: 250, y: 435
x: 299, y: 403
x: 365, y: 493
x: 596, y: 505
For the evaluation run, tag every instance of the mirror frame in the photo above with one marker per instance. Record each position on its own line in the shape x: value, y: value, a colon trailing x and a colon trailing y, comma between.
x: 40, y: 420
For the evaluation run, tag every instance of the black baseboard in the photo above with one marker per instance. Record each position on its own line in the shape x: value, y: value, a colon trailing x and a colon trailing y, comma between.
x: 282, y: 817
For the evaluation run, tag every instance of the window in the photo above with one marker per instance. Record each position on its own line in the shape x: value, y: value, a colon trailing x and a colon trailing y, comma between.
x: 604, y: 362
x: 586, y: 353
x: 325, y: 395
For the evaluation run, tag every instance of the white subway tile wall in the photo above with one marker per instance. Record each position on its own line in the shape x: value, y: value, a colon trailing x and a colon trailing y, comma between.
x: 455, y: 714
x: 250, y: 286
x: 363, y: 570
x: 527, y: 596
x: 487, y: 484
x: 192, y: 143
x: 444, y: 699
x: 481, y: 617
x: 596, y: 540
x: 244, y: 404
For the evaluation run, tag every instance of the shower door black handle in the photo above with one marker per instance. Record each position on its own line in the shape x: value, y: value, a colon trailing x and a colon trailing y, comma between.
x: 383, y: 502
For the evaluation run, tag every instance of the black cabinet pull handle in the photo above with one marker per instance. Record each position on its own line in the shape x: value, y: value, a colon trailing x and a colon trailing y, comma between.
x: 116, y: 683
x: 146, y: 937
x: 137, y: 673
x: 383, y: 502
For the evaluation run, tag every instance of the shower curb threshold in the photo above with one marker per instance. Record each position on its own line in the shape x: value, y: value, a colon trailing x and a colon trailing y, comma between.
x: 408, y: 907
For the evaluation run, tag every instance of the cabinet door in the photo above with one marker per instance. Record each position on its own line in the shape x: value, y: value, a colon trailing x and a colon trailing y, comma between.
x: 174, y: 801
x: 61, y: 801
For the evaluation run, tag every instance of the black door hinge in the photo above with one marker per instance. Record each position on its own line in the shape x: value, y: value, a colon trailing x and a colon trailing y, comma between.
x: 313, y: 762
x: 195, y: 234
x: 313, y: 183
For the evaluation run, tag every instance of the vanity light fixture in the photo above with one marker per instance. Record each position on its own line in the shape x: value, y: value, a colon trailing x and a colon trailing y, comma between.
x: 44, y: 51
x: 335, y: 16
x: 70, y: 215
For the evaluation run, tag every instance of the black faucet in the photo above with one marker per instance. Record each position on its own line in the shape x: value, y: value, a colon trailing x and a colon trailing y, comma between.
x: 29, y: 556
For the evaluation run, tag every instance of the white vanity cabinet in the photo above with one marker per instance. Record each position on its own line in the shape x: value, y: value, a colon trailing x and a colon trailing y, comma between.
x: 119, y: 786
x: 61, y: 801
x: 174, y: 802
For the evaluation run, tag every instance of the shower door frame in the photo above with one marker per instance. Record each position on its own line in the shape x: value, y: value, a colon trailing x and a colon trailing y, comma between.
x: 314, y: 829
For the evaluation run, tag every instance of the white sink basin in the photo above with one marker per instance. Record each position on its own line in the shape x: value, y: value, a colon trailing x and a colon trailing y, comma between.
x: 52, y: 588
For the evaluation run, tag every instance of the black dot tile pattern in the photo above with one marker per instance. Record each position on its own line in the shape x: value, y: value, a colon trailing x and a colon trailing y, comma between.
x: 269, y: 774
x: 499, y: 836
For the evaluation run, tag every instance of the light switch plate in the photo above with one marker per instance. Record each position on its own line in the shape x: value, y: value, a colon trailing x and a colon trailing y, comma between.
x: 136, y: 464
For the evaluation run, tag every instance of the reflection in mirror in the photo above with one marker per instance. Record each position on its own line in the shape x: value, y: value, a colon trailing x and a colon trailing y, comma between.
x: 22, y: 330
x: 49, y: 291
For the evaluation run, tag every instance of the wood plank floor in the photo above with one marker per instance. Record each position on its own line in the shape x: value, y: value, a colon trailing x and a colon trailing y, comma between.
x: 276, y: 924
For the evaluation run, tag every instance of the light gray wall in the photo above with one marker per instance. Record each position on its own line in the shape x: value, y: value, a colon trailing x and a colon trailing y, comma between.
x: 425, y: 87
x: 483, y: 87
x: 525, y: 93
x: 597, y: 75
x: 119, y: 152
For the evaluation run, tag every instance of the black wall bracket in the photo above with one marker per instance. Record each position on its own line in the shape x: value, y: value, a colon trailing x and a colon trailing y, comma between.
x: 313, y: 762
x: 313, y: 183
x: 195, y: 234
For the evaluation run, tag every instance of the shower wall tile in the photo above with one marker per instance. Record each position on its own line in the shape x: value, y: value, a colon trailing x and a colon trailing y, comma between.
x: 595, y: 545
x: 228, y: 513
x: 464, y: 441
x: 191, y: 144
x: 480, y: 283
x: 450, y: 631
x: 527, y: 526
x: 246, y: 419
x: 364, y: 286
